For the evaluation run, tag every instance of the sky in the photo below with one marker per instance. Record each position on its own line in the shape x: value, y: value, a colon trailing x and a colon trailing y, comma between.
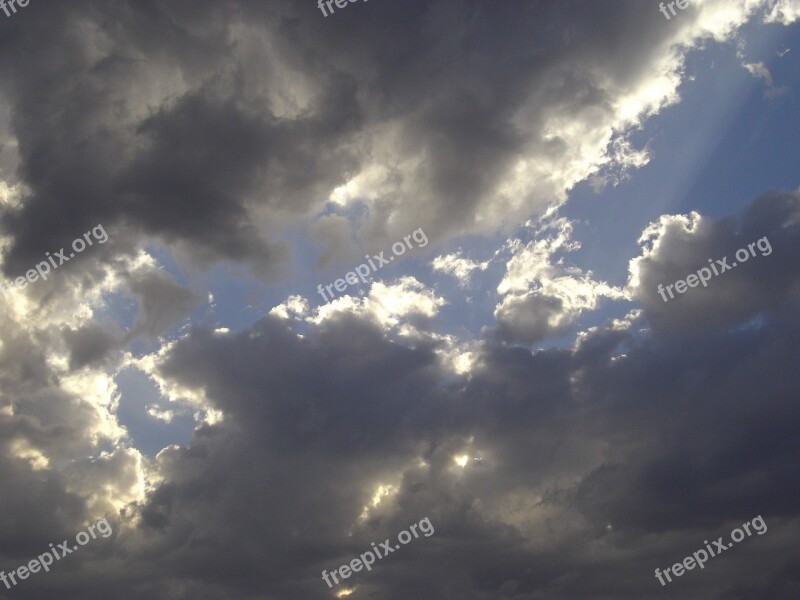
x: 434, y: 299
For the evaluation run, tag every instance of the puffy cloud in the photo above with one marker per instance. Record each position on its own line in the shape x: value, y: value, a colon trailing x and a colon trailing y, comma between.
x: 89, y: 344
x: 178, y: 122
x: 680, y: 245
x: 459, y: 267
x: 162, y: 302
x: 543, y: 296
x: 783, y: 11
x: 295, y: 306
x: 218, y: 127
x: 576, y: 458
x: 407, y: 301
x: 576, y: 461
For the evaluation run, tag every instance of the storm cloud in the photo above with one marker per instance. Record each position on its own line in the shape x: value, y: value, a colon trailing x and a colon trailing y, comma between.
x: 565, y: 430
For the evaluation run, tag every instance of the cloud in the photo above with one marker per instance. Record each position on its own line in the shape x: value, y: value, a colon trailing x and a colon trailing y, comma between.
x: 89, y: 344
x: 678, y: 245
x: 761, y: 72
x: 295, y: 306
x: 459, y: 267
x: 585, y: 453
x: 162, y: 302
x: 783, y: 11
x: 543, y: 296
x: 211, y: 128
x: 389, y: 305
x: 219, y: 129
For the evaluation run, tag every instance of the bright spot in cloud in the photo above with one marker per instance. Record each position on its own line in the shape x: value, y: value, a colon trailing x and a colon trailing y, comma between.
x: 382, y: 492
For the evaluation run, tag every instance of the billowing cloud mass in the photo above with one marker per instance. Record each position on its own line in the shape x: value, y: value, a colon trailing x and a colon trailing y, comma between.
x: 542, y: 295
x: 209, y: 124
x: 565, y: 429
x: 733, y: 290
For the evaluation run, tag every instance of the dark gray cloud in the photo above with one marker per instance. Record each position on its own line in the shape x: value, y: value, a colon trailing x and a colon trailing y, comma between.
x: 597, y: 464
x: 209, y: 124
x: 89, y: 344
x: 587, y: 468
x: 162, y: 302
x: 680, y: 245
x: 526, y: 319
x: 185, y: 161
x: 213, y: 127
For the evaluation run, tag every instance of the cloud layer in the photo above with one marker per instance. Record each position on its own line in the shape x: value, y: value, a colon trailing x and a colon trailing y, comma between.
x: 218, y: 133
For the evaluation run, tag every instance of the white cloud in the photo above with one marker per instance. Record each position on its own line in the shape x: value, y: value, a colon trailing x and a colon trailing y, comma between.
x: 459, y: 267
x: 390, y: 305
x: 543, y: 295
x: 294, y: 306
x: 784, y: 12
x: 759, y: 71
